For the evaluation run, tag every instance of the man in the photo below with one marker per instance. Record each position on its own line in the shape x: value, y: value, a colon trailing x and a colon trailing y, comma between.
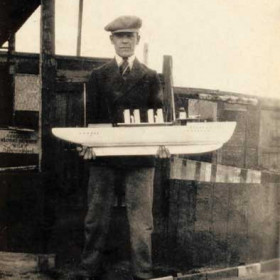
x: 123, y: 83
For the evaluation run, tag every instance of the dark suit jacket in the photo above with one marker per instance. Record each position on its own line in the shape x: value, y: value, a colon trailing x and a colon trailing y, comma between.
x: 108, y: 95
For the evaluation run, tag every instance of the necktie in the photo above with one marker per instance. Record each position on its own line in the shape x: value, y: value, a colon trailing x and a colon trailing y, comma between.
x: 124, y: 68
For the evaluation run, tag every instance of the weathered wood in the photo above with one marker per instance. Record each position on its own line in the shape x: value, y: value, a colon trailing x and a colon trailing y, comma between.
x: 80, y: 21
x: 216, y: 95
x: 187, y: 170
x: 21, y: 263
x: 263, y: 221
x: 12, y: 72
x: 11, y: 43
x: 161, y: 212
x: 269, y: 147
x: 47, y: 75
x: 19, y: 168
x: 168, y: 94
x: 21, y: 217
x: 6, y: 95
x: 73, y: 76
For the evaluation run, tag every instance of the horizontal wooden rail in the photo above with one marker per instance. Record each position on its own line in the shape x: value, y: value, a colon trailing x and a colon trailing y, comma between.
x: 185, y: 169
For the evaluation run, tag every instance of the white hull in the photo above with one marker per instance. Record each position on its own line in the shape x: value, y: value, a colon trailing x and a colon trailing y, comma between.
x: 193, y: 138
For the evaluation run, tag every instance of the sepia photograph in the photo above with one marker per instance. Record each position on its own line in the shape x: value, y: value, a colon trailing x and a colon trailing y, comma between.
x: 139, y: 139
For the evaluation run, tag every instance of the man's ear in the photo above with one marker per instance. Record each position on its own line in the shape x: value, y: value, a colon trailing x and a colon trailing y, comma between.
x: 111, y: 39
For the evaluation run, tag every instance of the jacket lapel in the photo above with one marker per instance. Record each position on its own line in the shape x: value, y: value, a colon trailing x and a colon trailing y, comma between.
x: 137, y: 73
x: 118, y: 85
x: 113, y: 81
x: 114, y: 75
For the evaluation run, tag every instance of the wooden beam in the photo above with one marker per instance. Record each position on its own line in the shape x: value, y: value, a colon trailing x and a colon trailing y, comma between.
x: 168, y: 94
x: 192, y: 170
x: 11, y: 80
x: 216, y: 96
x: 80, y: 24
x: 12, y: 72
x: 47, y: 80
x: 22, y: 263
x: 12, y: 43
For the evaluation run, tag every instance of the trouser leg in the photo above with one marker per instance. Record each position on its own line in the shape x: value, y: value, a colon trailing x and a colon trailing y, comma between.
x: 139, y: 201
x: 100, y: 201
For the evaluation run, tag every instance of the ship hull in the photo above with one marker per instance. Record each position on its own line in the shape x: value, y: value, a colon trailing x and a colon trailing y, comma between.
x: 192, y: 138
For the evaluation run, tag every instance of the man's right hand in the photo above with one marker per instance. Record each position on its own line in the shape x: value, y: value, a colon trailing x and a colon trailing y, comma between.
x: 86, y: 152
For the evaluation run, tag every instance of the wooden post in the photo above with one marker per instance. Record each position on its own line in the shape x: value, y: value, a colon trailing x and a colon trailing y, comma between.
x: 11, y: 66
x: 47, y: 79
x: 11, y: 43
x: 168, y: 94
x: 79, y: 40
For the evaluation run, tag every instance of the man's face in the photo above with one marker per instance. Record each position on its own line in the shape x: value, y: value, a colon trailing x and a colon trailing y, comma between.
x: 125, y: 42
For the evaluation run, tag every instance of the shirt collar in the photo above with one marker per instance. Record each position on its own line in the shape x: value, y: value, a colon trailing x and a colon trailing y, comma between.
x: 120, y: 60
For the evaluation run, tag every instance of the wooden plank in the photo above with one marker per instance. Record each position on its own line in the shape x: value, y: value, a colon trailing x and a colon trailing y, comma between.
x: 73, y: 76
x: 204, y: 207
x: 269, y: 149
x: 6, y: 95
x: 216, y: 95
x: 80, y: 22
x: 173, y: 216
x: 253, y: 127
x: 12, y: 72
x: 253, y: 177
x: 188, y: 170
x: 47, y: 76
x: 220, y: 218
x: 235, y: 107
x: 185, y: 224
x: 263, y: 221
x: 19, y: 168
x: 252, y: 158
x: 22, y: 263
x: 168, y: 94
x: 232, y: 155
x: 4, y: 190
x: 237, y: 238
x: 205, y: 173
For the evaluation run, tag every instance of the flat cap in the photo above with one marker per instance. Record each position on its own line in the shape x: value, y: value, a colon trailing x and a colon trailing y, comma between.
x: 124, y: 24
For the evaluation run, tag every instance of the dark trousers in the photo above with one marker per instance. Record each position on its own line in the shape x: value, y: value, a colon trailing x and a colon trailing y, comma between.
x: 139, y: 201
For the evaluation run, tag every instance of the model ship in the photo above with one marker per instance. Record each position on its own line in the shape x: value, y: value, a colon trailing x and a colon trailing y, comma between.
x: 184, y: 136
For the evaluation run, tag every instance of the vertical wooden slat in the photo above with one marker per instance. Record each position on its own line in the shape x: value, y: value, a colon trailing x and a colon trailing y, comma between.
x: 168, y: 94
x: 47, y: 80
x: 12, y: 70
x: 47, y: 155
x: 80, y: 22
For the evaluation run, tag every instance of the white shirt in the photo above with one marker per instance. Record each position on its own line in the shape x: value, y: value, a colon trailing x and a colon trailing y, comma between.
x: 130, y: 60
